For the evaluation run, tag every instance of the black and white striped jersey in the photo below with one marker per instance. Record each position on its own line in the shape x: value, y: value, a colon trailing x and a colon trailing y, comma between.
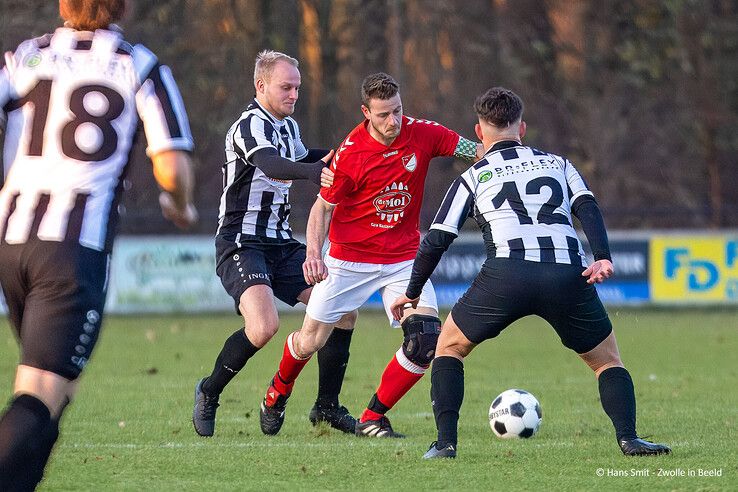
x: 71, y: 102
x: 521, y: 198
x: 253, y: 203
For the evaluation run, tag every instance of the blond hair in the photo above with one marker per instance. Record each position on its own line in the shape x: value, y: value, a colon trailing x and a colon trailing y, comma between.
x: 265, y: 62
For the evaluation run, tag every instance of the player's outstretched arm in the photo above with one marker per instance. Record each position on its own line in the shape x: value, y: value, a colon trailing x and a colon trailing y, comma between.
x: 277, y: 167
x: 586, y: 210
x: 173, y: 172
x: 314, y: 269
x: 435, y: 243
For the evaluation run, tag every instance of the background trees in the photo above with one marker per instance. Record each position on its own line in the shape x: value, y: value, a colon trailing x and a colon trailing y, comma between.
x: 640, y: 94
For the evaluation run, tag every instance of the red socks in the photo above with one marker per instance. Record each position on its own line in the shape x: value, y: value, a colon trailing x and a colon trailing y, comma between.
x: 289, y: 368
x: 399, y: 376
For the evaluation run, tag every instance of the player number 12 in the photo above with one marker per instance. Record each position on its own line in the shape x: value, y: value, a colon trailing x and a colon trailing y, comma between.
x: 546, y: 215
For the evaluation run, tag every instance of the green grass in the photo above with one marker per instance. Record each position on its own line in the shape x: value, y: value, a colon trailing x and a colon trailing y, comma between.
x: 130, y: 428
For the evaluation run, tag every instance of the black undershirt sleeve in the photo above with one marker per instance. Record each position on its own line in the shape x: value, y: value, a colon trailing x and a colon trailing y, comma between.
x: 435, y: 243
x: 275, y: 166
x: 314, y: 155
x: 585, y: 209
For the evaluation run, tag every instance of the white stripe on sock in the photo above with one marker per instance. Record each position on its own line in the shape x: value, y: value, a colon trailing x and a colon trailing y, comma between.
x: 408, y: 364
x: 292, y: 347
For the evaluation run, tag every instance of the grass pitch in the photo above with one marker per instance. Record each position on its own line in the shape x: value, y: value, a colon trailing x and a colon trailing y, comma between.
x: 130, y: 428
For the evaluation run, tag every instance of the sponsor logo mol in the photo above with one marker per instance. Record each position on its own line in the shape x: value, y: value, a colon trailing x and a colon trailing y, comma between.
x: 391, y: 203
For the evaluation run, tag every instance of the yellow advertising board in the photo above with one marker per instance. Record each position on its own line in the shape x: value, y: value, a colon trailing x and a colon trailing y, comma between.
x: 694, y: 269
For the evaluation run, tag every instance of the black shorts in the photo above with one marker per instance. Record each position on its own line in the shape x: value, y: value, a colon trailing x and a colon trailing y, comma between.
x: 261, y: 261
x: 55, y: 294
x: 506, y: 290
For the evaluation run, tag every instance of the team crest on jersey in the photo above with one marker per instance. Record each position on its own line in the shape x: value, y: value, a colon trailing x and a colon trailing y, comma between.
x: 485, y: 176
x: 409, y: 162
x: 32, y: 60
x: 391, y: 203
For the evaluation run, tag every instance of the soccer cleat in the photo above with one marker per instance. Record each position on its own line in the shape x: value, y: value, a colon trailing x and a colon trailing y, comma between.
x: 448, y: 451
x: 203, y: 415
x: 640, y: 447
x: 271, y: 411
x: 377, y: 428
x: 337, y: 416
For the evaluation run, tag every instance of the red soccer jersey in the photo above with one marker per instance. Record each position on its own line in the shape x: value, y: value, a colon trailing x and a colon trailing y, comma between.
x: 378, y: 191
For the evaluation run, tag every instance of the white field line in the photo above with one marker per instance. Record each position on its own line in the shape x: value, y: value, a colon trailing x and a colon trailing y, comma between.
x: 266, y: 444
x: 251, y: 444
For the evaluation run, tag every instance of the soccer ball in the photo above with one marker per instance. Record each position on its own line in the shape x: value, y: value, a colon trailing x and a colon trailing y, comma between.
x: 515, y: 413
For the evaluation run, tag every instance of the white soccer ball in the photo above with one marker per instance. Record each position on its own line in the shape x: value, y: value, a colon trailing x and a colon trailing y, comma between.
x: 515, y: 413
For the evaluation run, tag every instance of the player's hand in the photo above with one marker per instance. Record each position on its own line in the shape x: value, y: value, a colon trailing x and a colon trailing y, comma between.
x: 184, y: 218
x: 598, y: 272
x: 314, y: 270
x: 401, y: 303
x: 326, y: 177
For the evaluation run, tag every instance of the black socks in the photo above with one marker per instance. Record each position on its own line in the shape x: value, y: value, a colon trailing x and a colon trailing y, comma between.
x: 26, y: 439
x: 447, y: 394
x: 50, y: 435
x: 332, y: 362
x: 236, y: 350
x: 618, y: 400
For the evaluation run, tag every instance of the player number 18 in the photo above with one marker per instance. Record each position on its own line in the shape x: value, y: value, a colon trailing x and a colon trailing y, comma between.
x: 40, y: 97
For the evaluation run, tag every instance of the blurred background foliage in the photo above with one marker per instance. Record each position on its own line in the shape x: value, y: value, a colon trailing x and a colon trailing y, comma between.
x: 640, y: 94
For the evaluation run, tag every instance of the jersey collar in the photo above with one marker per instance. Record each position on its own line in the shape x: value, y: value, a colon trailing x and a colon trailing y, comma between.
x: 504, y: 144
x: 269, y: 115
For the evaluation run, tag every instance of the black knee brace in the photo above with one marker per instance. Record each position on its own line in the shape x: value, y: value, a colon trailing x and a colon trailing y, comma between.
x: 421, y: 335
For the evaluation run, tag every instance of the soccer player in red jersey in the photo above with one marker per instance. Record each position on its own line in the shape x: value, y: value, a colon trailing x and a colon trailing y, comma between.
x: 373, y: 208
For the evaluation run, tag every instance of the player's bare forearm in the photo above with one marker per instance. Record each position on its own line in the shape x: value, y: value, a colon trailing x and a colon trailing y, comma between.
x: 317, y: 227
x: 173, y: 173
x: 319, y: 220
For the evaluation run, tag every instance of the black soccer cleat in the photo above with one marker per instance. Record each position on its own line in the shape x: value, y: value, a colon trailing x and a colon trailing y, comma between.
x: 377, y: 428
x: 337, y: 416
x: 203, y: 414
x: 447, y: 451
x: 271, y: 411
x: 640, y: 447
x: 271, y: 418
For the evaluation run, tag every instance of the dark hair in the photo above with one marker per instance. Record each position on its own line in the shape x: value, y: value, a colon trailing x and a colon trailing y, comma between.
x: 88, y: 15
x: 378, y: 86
x: 499, y: 106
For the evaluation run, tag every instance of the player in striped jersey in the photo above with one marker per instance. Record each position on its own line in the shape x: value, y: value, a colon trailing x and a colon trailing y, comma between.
x: 72, y: 101
x: 257, y: 258
x: 523, y: 200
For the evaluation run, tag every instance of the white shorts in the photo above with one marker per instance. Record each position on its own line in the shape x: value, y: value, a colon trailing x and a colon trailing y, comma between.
x: 350, y: 284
